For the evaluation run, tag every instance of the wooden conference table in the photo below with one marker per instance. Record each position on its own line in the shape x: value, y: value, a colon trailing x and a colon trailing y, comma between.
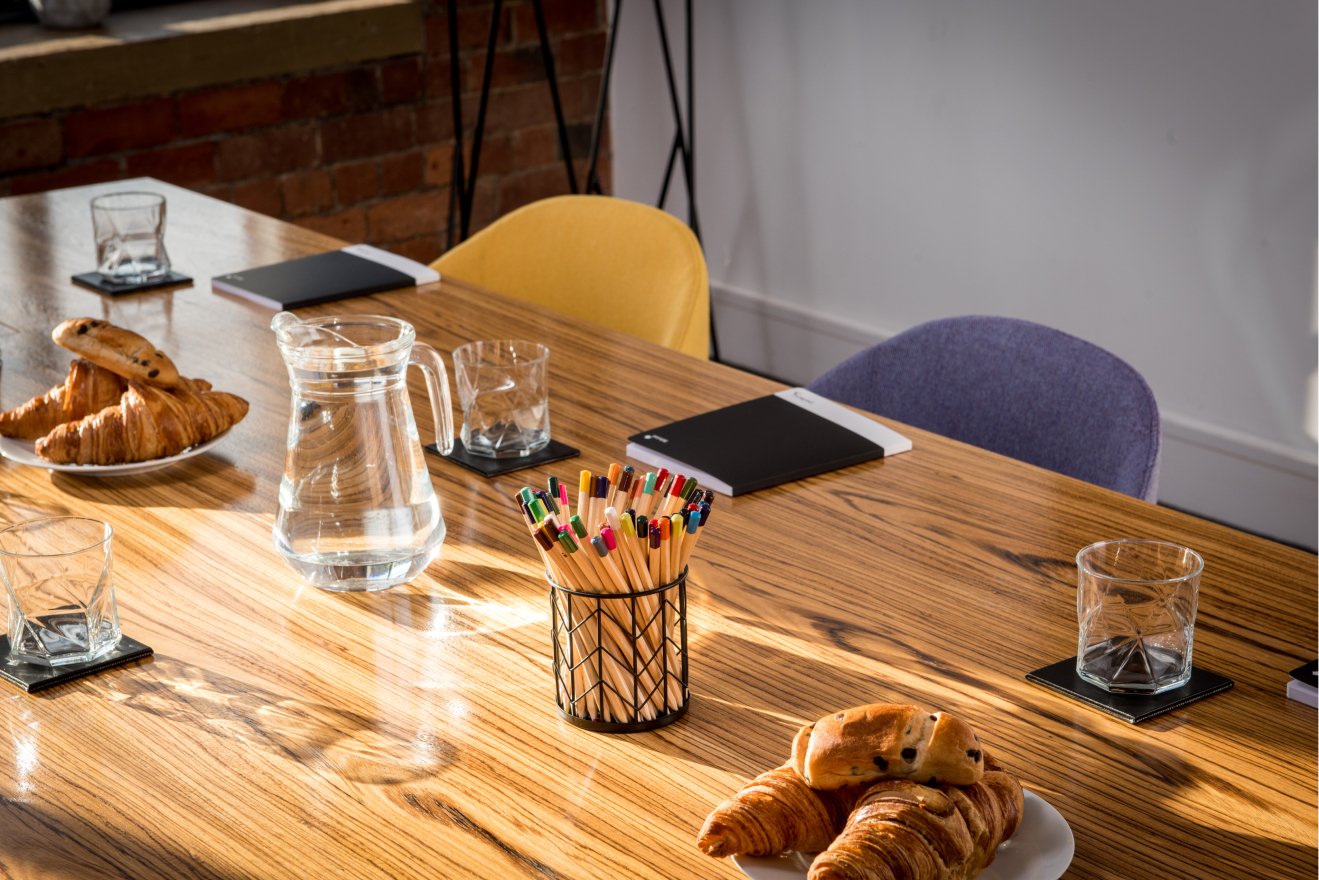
x: 280, y: 731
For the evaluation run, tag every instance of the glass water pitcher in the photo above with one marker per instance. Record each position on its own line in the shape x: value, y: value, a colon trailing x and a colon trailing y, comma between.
x: 357, y: 511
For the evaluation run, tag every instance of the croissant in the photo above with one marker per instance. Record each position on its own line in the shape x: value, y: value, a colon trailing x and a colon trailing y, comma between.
x: 87, y: 389
x: 776, y: 812
x: 147, y: 423
x: 196, y: 386
x: 904, y: 829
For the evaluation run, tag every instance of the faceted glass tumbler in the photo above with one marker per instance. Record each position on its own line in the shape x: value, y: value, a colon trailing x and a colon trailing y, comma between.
x: 1135, y: 603
x: 130, y: 237
x: 503, y: 386
x: 58, y: 572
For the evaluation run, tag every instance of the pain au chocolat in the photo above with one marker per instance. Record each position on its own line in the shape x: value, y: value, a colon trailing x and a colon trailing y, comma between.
x: 887, y: 741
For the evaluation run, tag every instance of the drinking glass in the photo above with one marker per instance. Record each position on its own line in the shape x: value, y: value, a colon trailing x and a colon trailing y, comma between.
x: 1136, y: 603
x: 58, y: 571
x: 130, y: 237
x: 503, y: 386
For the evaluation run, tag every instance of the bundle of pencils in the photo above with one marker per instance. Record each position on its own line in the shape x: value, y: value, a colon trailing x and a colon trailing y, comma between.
x: 630, y: 534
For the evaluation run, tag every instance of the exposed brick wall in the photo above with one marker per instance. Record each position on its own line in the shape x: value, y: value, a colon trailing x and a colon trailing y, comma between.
x: 363, y: 153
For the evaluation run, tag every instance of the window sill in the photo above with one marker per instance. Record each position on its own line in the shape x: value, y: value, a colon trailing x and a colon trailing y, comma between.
x: 166, y: 49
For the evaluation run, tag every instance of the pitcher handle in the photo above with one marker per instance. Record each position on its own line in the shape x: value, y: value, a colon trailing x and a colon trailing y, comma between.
x: 437, y: 384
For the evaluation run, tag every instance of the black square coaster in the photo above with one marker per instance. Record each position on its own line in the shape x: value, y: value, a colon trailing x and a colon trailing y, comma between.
x: 494, y: 467
x: 32, y: 677
x: 96, y: 281
x: 1132, y: 708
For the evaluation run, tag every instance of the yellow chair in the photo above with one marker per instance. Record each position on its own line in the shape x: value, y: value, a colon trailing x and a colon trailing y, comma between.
x: 618, y: 263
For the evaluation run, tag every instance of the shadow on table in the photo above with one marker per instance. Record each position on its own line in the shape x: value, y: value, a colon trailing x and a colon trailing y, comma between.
x: 1228, y: 716
x: 710, y: 734
x: 788, y: 683
x: 206, y: 482
x: 918, y: 670
x: 15, y: 508
x: 58, y: 844
x: 748, y: 701
x: 1196, y: 849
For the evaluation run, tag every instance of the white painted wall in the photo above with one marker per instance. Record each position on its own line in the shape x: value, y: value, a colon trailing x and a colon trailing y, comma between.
x: 1139, y: 174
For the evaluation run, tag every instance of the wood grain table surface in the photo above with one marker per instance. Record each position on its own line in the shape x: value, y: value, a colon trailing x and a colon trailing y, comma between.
x: 280, y: 731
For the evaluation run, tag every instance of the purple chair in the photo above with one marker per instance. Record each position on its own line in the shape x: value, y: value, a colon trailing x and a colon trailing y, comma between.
x: 1020, y: 389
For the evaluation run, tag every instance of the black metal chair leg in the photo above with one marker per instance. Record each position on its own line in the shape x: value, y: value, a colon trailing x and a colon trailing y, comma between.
x: 691, y: 122
x: 693, y: 220
x: 458, y: 174
x: 548, y: 60
x: 668, y: 172
x: 480, y: 116
x: 462, y: 189
x: 592, y: 181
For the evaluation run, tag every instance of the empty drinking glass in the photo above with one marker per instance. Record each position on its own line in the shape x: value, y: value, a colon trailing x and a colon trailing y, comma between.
x: 130, y: 237
x: 58, y: 571
x: 503, y: 386
x: 1136, y: 603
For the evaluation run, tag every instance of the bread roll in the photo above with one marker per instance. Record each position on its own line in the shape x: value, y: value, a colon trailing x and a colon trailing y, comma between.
x: 887, y: 741
x: 118, y: 350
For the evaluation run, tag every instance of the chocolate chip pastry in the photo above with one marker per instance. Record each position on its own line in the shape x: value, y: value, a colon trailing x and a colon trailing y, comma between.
x: 887, y: 741
x: 118, y: 350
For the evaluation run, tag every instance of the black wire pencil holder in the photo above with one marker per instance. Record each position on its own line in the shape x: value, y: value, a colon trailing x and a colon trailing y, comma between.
x: 620, y: 659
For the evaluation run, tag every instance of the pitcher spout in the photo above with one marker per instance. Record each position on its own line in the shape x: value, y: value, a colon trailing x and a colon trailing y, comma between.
x: 291, y: 332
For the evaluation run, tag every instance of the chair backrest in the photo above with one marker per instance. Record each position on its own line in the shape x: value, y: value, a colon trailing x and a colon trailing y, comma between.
x: 1020, y: 389
x: 622, y: 264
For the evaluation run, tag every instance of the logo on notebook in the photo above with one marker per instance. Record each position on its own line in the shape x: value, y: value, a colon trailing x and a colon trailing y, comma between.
x: 655, y: 437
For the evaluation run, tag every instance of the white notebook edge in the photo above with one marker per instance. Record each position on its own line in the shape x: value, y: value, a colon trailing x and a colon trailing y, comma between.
x: 244, y: 293
x: 649, y: 456
x: 1303, y: 693
x: 889, y: 440
x: 421, y: 273
x: 886, y: 438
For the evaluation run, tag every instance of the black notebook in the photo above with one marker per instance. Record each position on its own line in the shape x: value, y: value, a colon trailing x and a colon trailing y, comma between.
x: 763, y: 442
x: 321, y: 278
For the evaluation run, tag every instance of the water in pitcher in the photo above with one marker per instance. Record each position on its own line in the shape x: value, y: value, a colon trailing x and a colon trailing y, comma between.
x: 357, y: 510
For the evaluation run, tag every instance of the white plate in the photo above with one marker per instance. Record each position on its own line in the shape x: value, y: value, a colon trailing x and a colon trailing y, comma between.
x: 24, y: 452
x: 1041, y: 849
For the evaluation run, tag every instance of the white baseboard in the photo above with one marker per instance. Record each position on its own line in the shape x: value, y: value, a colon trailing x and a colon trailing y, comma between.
x: 1215, y: 472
